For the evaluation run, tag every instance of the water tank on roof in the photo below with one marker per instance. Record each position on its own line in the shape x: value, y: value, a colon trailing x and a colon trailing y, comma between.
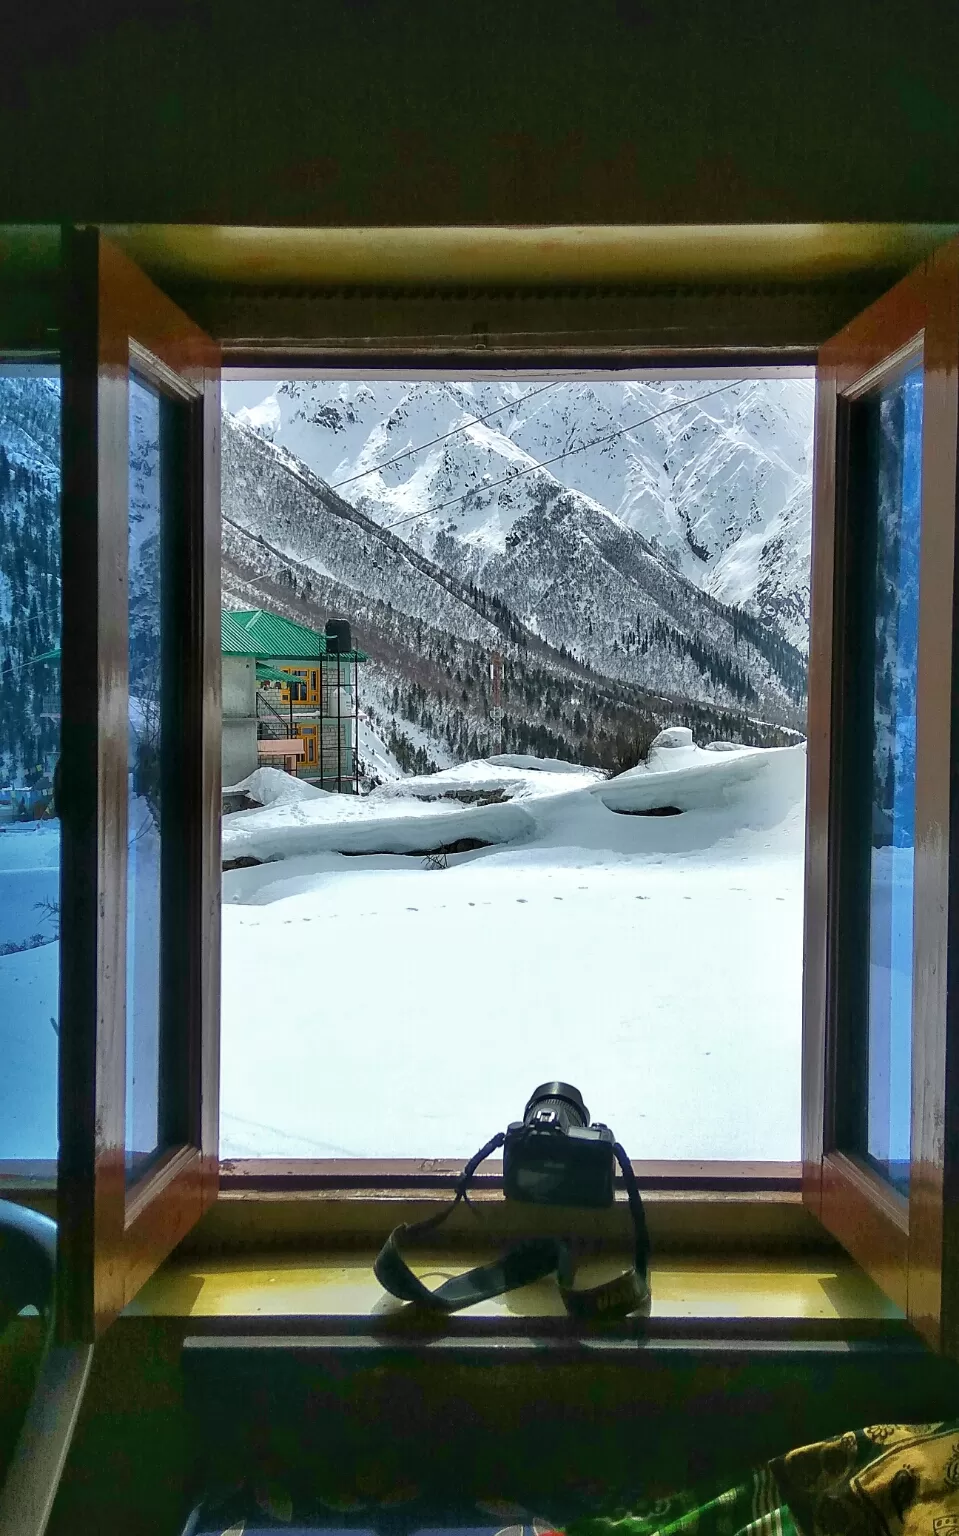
x: 338, y: 637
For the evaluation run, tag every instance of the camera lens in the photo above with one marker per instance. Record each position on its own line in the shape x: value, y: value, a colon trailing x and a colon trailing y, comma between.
x: 558, y: 1105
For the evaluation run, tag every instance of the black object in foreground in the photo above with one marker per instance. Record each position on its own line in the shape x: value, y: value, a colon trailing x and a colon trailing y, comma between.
x: 552, y: 1157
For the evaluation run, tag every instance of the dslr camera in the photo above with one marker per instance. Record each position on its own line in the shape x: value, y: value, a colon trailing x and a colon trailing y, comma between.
x: 554, y: 1156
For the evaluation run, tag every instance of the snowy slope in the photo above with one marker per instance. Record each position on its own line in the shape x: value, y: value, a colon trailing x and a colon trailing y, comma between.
x: 696, y: 468
x: 379, y: 763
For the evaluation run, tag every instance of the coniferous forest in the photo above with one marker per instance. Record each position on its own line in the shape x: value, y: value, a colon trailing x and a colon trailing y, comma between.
x: 29, y: 577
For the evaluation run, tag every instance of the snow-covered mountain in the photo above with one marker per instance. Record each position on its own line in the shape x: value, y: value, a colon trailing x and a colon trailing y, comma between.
x: 604, y: 638
x: 569, y: 579
x: 714, y: 475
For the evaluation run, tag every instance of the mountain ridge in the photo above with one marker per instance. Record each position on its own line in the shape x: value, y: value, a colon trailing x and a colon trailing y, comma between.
x: 292, y: 542
x: 326, y: 533
x: 716, y: 477
x: 621, y: 642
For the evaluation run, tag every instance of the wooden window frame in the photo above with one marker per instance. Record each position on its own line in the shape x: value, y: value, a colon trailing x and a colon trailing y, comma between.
x: 112, y: 1236
x: 910, y: 1247
x: 385, y: 1179
x: 719, y: 1180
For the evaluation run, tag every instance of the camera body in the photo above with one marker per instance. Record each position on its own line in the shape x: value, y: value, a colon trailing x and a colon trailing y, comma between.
x: 554, y: 1156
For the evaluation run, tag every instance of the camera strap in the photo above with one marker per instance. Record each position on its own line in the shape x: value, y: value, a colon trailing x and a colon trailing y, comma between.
x: 530, y: 1260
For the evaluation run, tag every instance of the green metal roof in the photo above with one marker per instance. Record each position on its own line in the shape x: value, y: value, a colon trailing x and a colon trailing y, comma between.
x: 273, y: 636
x: 265, y: 674
x: 234, y: 640
x: 267, y: 637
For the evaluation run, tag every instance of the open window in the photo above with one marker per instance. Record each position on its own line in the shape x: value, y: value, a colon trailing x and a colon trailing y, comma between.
x: 522, y: 559
x: 137, y: 781
x: 880, y: 1089
x: 139, y: 786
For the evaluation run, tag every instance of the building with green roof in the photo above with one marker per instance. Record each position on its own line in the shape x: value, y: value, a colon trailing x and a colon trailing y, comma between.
x: 286, y: 686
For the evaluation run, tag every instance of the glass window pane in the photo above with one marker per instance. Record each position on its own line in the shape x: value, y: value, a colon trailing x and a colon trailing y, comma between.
x: 894, y: 436
x: 29, y: 746
x: 146, y: 740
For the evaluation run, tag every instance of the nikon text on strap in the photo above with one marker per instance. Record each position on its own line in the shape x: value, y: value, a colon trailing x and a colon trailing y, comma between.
x: 529, y: 1260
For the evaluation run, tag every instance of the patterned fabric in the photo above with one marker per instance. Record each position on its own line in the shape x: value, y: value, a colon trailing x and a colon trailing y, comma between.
x: 753, y: 1508
x: 887, y: 1480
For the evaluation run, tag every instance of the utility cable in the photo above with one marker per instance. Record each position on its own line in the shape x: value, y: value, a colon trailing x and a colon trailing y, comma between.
x: 14, y: 667
x: 474, y: 421
x: 596, y: 442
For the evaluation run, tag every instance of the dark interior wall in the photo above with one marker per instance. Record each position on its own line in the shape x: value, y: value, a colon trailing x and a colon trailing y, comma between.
x: 160, y: 1422
x: 455, y: 111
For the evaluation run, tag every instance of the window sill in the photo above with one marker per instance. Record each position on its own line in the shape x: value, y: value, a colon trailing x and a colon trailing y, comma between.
x: 335, y: 1294
x: 727, y: 1266
x: 248, y: 1218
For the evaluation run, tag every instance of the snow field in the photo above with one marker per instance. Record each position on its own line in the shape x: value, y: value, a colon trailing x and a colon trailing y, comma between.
x: 29, y: 1003
x: 29, y: 991
x: 373, y: 1007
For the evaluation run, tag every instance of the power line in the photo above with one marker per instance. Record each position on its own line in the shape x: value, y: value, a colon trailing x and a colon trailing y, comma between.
x: 474, y: 421
x: 566, y: 454
x: 21, y: 666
